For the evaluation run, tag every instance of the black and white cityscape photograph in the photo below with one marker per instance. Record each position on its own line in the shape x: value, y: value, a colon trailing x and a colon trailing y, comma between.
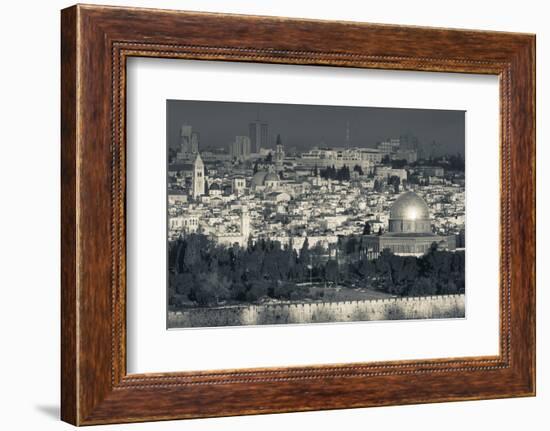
x: 296, y: 214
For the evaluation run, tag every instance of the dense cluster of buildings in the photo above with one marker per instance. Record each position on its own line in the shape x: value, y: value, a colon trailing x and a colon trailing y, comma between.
x: 252, y: 190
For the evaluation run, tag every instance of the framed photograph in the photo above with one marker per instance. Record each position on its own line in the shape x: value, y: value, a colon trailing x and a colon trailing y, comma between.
x: 265, y: 215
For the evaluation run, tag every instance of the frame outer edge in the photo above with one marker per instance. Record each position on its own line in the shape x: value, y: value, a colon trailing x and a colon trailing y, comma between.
x: 529, y: 61
x: 69, y: 202
x: 532, y: 101
x: 523, y: 216
x: 87, y: 397
x: 533, y: 54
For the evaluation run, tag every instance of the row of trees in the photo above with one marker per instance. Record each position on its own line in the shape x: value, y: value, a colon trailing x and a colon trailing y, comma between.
x: 341, y: 174
x: 330, y: 172
x: 438, y: 272
x: 204, y: 273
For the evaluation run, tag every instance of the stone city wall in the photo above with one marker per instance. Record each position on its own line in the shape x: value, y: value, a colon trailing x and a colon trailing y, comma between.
x: 427, y: 307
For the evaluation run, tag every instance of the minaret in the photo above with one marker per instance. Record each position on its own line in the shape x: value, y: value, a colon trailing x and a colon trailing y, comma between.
x: 245, y: 224
x: 279, y: 154
x: 197, y: 186
x: 348, y: 135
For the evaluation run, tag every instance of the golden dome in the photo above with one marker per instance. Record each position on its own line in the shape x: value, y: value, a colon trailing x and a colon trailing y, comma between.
x: 409, y: 214
x: 409, y: 206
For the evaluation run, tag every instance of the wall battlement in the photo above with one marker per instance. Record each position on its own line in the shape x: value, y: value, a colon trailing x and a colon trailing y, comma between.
x: 423, y: 307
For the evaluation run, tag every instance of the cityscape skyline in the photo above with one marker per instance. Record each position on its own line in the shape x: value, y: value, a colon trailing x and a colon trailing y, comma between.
x: 280, y: 228
x: 303, y: 127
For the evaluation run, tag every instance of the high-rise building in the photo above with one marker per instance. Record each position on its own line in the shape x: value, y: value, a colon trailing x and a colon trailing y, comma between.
x: 185, y: 138
x: 195, y: 138
x: 189, y: 143
x: 389, y: 146
x: 240, y: 148
x: 257, y: 131
x: 409, y: 155
x: 197, y: 182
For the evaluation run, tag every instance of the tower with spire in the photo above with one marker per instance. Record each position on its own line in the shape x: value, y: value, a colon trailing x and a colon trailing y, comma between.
x: 197, y: 182
x: 279, y: 154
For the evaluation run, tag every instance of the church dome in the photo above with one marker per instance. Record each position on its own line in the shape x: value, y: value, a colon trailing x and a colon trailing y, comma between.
x: 409, y: 214
x: 261, y: 177
x: 258, y: 179
x: 271, y: 177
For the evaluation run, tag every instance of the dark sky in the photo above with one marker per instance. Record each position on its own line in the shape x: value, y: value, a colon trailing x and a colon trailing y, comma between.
x: 305, y: 126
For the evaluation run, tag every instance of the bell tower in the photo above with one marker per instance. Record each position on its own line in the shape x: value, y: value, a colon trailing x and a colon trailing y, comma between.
x: 197, y: 186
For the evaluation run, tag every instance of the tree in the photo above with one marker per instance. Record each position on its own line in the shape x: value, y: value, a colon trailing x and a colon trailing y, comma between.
x: 330, y: 172
x: 380, y: 231
x: 315, y: 171
x: 399, y: 164
x: 208, y: 274
x: 384, y: 271
x: 352, y: 245
x: 331, y: 271
x: 367, y: 229
x: 192, y: 252
x: 182, y: 283
x: 346, y: 173
x: 342, y: 174
x: 396, y: 188
x: 378, y: 185
x: 257, y: 290
x: 274, y: 267
x: 304, y: 251
x: 423, y: 287
x: 364, y: 268
x: 449, y: 288
x: 305, y: 260
x: 395, y: 181
x: 209, y: 290
x: 358, y: 169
